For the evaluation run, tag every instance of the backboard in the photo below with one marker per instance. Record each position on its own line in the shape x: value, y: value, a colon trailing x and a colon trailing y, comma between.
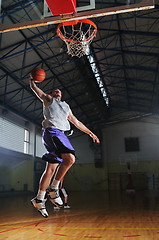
x: 128, y: 158
x: 20, y: 14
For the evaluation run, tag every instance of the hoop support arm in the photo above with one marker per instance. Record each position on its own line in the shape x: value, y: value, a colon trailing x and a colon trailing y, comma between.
x: 144, y: 5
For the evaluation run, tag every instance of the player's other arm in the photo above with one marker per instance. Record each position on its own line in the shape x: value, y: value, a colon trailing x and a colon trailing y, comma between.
x: 82, y: 127
x: 40, y: 94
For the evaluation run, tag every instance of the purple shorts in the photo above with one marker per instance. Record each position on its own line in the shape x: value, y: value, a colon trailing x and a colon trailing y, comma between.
x: 56, y: 143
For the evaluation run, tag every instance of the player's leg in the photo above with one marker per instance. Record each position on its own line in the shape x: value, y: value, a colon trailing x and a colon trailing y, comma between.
x: 47, y: 176
x: 39, y: 201
x: 68, y: 161
x: 65, y: 198
x: 53, y: 192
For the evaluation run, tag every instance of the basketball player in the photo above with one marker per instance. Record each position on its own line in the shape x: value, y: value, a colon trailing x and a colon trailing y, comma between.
x: 64, y: 193
x: 57, y: 115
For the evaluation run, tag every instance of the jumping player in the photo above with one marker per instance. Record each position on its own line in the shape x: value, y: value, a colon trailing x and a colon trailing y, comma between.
x: 57, y: 115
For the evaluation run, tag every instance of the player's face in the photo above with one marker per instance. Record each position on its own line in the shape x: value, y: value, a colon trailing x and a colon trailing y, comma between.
x: 57, y: 94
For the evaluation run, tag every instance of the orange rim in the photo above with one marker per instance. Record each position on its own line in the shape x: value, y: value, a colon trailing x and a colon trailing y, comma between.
x: 69, y: 23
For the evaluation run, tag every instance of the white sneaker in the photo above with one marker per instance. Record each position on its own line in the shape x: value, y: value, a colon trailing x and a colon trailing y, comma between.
x: 67, y: 207
x: 40, y: 206
x: 56, y: 208
x: 54, y: 197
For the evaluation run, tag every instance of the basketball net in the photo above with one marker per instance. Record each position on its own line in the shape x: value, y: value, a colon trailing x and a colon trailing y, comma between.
x: 77, y: 35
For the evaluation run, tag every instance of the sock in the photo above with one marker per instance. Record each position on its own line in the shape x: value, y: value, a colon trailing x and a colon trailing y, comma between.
x: 55, y: 184
x: 41, y: 195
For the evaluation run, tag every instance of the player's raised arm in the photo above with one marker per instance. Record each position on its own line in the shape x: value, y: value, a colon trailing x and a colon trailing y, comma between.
x: 40, y: 94
x: 82, y: 127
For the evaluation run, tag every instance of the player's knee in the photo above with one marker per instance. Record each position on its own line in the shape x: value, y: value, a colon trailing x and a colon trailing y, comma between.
x: 72, y: 159
x: 69, y: 159
x: 50, y: 170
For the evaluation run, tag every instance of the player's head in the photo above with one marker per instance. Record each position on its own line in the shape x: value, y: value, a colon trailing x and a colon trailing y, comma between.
x: 56, y: 93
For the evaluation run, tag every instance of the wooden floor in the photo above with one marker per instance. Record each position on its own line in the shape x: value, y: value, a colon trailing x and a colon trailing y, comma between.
x: 113, y: 216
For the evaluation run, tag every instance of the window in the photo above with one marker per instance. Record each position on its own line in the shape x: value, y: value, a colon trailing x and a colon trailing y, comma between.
x: 132, y: 144
x: 40, y: 149
x: 26, y: 141
x: 11, y: 135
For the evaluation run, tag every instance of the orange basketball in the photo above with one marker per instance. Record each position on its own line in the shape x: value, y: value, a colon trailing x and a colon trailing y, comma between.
x: 38, y: 74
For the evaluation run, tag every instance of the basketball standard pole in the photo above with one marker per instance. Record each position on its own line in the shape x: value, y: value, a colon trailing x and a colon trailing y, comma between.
x: 144, y: 5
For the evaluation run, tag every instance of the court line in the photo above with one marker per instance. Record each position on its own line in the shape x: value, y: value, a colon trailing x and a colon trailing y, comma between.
x: 105, y: 228
x: 40, y: 230
x: 133, y: 236
x: 91, y: 237
x: 60, y: 235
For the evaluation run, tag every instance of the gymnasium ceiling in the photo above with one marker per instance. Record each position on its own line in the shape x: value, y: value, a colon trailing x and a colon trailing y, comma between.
x: 126, y: 53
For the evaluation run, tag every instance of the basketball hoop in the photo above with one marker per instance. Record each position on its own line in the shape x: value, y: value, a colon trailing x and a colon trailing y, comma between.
x: 77, y: 35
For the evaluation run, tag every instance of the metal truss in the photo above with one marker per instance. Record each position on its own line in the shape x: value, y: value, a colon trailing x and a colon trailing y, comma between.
x: 125, y: 51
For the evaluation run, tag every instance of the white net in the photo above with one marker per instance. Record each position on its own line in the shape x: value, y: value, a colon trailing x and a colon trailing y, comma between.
x: 77, y: 38
x: 77, y: 49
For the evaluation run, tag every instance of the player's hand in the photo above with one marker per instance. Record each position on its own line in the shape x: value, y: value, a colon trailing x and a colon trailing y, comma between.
x: 95, y: 138
x: 31, y: 78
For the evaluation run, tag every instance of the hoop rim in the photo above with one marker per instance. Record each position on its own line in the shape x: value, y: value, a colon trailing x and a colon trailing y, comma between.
x: 74, y: 23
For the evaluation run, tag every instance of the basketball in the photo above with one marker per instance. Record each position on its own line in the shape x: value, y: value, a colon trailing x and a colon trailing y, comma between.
x: 38, y: 74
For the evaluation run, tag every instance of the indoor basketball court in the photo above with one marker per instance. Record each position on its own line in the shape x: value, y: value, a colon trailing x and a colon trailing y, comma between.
x: 118, y: 216
x: 103, y: 56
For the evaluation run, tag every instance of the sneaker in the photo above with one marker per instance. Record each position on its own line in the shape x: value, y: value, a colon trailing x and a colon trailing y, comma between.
x: 54, y: 197
x: 40, y: 206
x: 56, y: 208
x: 67, y: 207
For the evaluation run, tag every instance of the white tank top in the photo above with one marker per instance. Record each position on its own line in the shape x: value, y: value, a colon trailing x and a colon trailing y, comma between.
x: 56, y: 115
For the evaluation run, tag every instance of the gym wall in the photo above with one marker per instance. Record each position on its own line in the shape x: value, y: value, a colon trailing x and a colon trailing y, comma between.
x: 144, y: 162
x: 16, y: 171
